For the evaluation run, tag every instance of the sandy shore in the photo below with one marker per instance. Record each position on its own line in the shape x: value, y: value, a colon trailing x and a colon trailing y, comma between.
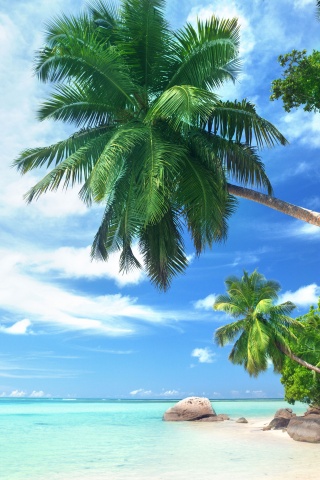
x: 233, y: 451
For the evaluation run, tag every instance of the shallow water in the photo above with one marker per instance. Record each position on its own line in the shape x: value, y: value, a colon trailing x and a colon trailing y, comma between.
x: 100, y: 440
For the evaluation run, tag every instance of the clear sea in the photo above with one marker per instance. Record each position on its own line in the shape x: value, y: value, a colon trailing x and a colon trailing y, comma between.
x: 118, y: 440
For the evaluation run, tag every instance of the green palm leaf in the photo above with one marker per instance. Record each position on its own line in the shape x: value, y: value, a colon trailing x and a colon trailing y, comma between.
x: 239, y: 121
x: 162, y: 248
x: 182, y: 107
x: 54, y: 154
x: 207, y: 55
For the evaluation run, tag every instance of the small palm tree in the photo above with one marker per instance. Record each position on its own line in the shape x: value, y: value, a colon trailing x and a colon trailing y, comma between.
x: 153, y: 144
x: 263, y: 330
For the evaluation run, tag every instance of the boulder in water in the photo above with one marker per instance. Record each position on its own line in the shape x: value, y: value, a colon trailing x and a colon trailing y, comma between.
x: 191, y: 409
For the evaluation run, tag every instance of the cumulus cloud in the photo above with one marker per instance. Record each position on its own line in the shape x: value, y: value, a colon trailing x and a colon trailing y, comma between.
x: 205, y: 303
x: 170, y: 393
x: 141, y: 392
x: 38, y: 394
x: 18, y: 328
x: 303, y: 297
x: 205, y: 355
x: 17, y: 393
x: 301, y: 126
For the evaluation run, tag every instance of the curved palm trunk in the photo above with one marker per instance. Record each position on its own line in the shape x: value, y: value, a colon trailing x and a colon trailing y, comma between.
x: 300, y: 213
x: 293, y: 357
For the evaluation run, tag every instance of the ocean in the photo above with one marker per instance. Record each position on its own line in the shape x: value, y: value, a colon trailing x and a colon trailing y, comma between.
x: 85, y: 439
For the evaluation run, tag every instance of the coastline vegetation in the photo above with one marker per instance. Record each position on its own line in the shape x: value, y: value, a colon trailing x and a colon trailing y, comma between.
x: 264, y: 333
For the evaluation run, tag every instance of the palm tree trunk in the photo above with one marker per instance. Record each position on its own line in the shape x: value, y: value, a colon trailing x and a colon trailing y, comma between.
x: 293, y: 357
x: 300, y: 213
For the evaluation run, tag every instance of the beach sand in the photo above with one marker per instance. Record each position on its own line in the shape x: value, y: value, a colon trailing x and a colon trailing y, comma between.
x: 232, y: 451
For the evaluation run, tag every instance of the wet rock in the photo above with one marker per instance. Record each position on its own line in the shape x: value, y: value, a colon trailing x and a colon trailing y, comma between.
x: 305, y: 429
x: 191, y: 409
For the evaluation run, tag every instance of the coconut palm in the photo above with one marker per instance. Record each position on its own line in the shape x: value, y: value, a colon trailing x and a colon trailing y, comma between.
x: 153, y: 143
x: 262, y: 330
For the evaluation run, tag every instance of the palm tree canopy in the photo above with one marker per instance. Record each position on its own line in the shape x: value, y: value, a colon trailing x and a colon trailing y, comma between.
x: 153, y: 143
x: 262, y: 330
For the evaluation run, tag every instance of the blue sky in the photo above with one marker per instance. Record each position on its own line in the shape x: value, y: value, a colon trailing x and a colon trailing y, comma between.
x: 69, y: 327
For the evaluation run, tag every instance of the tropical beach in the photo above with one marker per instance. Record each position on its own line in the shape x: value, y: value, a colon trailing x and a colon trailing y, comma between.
x: 96, y: 439
x: 160, y: 214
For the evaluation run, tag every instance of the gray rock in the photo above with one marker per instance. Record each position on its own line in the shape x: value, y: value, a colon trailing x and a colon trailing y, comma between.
x: 191, y: 409
x: 242, y: 420
x: 284, y: 413
x: 305, y: 429
x: 278, y: 423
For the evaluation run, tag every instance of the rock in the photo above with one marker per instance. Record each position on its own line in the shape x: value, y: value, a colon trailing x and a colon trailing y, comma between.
x: 191, y: 409
x: 223, y: 416
x: 281, y: 419
x: 278, y: 423
x: 312, y: 411
x: 242, y: 420
x: 305, y: 429
x: 284, y: 413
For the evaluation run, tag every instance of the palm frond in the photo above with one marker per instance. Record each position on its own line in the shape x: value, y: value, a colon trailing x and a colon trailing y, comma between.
x: 228, y: 333
x: 156, y: 171
x: 240, y: 122
x: 224, y: 303
x: 87, y: 62
x: 105, y: 16
x: 207, y: 55
x: 79, y: 105
x: 76, y: 168
x: 112, y: 161
x: 205, y: 202
x: 54, y: 154
x: 182, y: 106
x: 120, y: 224
x: 238, y: 160
x: 162, y: 247
x: 145, y: 37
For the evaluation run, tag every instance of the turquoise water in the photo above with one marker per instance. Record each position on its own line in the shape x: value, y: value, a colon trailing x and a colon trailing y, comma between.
x: 100, y: 440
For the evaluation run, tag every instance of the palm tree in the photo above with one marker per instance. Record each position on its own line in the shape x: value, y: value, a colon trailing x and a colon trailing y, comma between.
x: 263, y: 329
x: 154, y: 145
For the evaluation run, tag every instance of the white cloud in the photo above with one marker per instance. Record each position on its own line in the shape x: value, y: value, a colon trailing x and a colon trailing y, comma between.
x: 205, y: 355
x: 141, y: 392
x: 301, y: 126
x: 17, y: 393
x: 18, y: 328
x: 303, y: 297
x: 49, y: 305
x: 205, y: 303
x: 71, y: 262
x: 170, y: 393
x: 39, y: 394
